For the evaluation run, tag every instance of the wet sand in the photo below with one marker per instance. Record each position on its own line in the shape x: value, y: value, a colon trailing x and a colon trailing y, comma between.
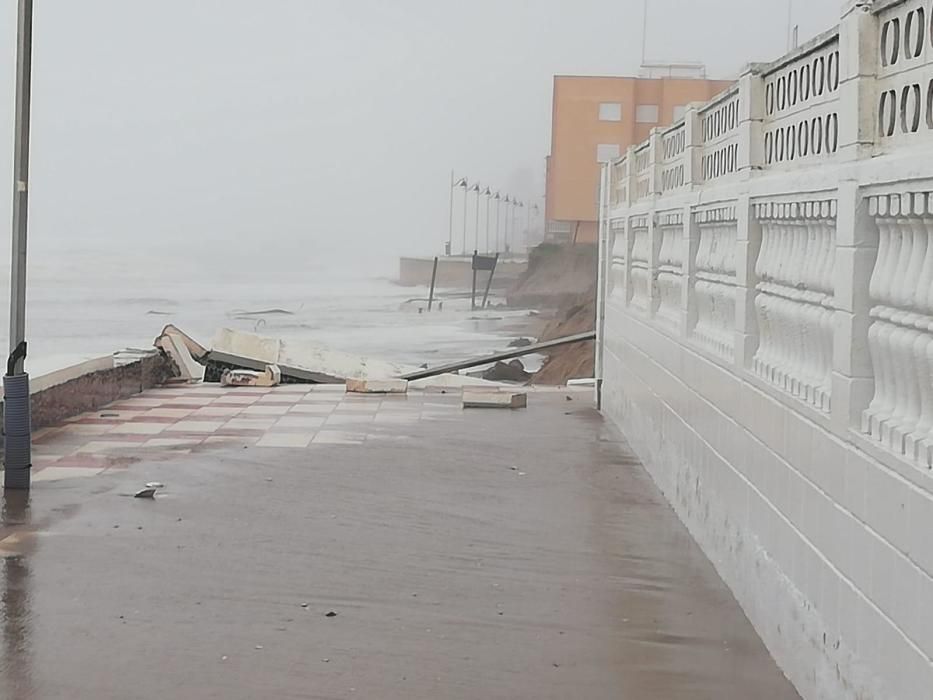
x: 452, y: 575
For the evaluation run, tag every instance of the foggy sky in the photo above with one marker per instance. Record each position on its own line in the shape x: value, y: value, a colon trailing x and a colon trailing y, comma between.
x: 324, y: 125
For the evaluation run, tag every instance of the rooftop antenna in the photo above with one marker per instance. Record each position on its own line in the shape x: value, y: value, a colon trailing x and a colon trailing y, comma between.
x: 644, y: 33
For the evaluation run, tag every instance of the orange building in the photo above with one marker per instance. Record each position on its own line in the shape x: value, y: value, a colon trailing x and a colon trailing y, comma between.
x: 595, y: 120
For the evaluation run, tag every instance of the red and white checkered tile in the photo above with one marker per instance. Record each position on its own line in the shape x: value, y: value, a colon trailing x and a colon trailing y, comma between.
x: 166, y: 421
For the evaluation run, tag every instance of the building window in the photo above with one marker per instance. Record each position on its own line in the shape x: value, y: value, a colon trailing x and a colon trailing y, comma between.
x: 606, y: 152
x: 646, y: 114
x: 610, y: 112
x: 679, y: 112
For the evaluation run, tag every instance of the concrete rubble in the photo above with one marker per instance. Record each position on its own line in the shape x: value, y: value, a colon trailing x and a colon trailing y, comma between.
x: 474, y: 397
x: 249, y: 355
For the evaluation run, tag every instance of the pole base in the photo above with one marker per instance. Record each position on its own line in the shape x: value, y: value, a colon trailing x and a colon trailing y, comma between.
x: 17, y: 479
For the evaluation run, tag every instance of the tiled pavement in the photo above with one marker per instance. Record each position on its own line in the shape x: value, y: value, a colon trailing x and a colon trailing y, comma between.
x: 443, y: 554
x: 166, y: 421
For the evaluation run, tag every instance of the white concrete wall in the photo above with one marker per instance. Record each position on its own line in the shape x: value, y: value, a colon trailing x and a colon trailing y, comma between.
x: 766, y: 344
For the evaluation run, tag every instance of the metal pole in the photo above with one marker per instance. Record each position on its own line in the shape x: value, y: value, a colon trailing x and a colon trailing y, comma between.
x: 505, y: 227
x: 487, y: 222
x: 644, y: 33
x: 527, y: 224
x: 476, y: 222
x: 450, y: 227
x: 17, y: 452
x: 601, y: 277
x: 489, y: 282
x: 498, y: 212
x: 473, y: 292
x: 433, y: 282
x: 466, y: 193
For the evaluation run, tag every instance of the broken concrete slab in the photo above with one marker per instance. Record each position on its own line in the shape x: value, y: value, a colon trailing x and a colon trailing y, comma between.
x: 494, y: 399
x: 377, y: 386
x: 454, y: 381
x: 298, y: 359
x: 174, y: 343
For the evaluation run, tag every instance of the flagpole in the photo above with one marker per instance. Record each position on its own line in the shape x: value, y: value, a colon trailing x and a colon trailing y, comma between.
x: 644, y: 33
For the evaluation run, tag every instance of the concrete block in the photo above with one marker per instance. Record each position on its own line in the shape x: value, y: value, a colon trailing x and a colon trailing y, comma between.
x: 377, y: 386
x: 272, y: 376
x: 851, y: 396
x: 494, y: 399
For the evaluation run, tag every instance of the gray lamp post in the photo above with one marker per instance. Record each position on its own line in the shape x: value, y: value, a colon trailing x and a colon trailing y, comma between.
x: 505, y: 232
x: 488, y: 195
x: 463, y: 184
x: 450, y: 226
x: 498, y: 199
x: 476, y: 188
x: 16, y: 411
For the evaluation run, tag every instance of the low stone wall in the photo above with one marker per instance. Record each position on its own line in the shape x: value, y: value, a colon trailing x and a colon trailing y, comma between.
x: 92, y: 391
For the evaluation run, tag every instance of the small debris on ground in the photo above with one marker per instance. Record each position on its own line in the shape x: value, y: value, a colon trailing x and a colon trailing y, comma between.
x: 331, y: 614
x: 258, y: 647
x: 522, y: 474
x: 304, y: 605
x: 155, y: 485
x: 513, y: 371
x: 145, y: 493
x: 513, y: 468
x: 569, y: 398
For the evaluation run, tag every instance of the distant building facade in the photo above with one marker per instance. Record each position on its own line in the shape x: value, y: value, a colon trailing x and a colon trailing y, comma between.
x: 594, y: 120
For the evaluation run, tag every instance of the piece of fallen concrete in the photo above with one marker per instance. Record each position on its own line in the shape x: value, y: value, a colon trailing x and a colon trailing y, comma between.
x: 494, y: 399
x: 377, y: 386
x: 175, y: 345
x: 244, y: 377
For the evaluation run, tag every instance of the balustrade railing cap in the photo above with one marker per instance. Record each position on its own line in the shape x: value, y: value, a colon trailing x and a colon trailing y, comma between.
x: 726, y: 94
x: 819, y: 41
x: 878, y: 5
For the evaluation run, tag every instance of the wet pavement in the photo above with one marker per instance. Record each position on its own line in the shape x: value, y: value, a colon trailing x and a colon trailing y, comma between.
x: 415, y: 551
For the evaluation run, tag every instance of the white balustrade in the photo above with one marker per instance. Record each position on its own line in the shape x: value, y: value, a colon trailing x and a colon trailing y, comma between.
x: 719, y: 128
x: 901, y: 336
x: 715, y: 285
x: 802, y: 106
x: 620, y: 181
x: 787, y: 119
x: 905, y: 82
x: 640, y: 257
x: 643, y: 171
x: 619, y: 255
x: 673, y: 158
x: 795, y: 300
x: 669, y: 277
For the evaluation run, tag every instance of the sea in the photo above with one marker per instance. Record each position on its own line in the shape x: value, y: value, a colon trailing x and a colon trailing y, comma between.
x: 86, y: 302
